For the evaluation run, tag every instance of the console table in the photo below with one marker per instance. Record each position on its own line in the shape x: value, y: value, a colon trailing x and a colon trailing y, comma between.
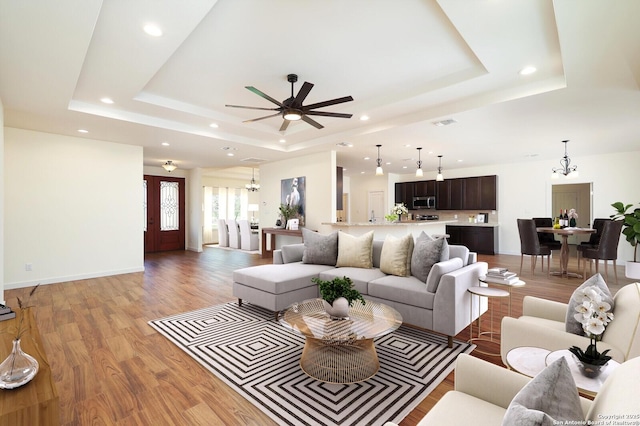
x: 273, y: 232
x: 35, y: 403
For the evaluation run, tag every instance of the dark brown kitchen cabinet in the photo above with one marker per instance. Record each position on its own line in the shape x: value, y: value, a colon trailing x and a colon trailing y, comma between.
x: 449, y: 194
x: 480, y: 239
x: 404, y: 193
x: 480, y: 193
x: 425, y: 188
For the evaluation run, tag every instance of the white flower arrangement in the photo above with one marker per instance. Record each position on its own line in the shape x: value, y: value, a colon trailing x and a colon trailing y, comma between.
x: 593, y: 313
x: 399, y: 209
x: 572, y: 214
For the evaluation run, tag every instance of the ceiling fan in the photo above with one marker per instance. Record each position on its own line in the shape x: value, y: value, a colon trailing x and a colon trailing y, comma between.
x: 292, y: 109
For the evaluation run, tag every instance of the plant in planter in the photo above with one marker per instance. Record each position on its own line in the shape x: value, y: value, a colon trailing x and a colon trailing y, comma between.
x: 337, y: 295
x: 631, y: 231
x: 288, y: 212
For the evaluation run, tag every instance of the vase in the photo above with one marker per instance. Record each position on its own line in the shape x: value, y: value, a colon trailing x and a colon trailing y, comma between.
x: 338, y: 310
x: 18, y: 369
x: 589, y: 370
x: 572, y: 222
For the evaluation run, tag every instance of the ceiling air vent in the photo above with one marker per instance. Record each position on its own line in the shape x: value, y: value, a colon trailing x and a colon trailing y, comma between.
x: 253, y: 160
x: 444, y: 122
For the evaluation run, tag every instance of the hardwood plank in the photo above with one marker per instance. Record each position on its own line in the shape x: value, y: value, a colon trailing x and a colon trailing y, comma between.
x: 111, y: 367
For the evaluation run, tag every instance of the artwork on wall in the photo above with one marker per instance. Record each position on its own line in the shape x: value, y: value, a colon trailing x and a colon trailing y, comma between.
x: 293, y: 193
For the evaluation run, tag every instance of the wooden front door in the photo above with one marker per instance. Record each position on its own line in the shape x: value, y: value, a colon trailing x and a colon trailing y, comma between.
x: 165, y: 211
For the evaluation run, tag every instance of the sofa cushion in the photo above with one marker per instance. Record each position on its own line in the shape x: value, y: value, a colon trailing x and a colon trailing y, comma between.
x: 320, y: 249
x: 439, y: 269
x: 572, y: 325
x: 407, y: 290
x: 356, y: 252
x: 292, y: 253
x: 395, y: 258
x: 278, y: 279
x: 426, y: 253
x: 359, y: 276
x: 550, y: 398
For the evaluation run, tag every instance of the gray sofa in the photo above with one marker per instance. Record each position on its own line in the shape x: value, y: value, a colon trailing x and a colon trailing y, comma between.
x: 446, y: 310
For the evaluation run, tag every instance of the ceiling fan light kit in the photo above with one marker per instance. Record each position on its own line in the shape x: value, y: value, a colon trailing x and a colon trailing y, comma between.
x: 292, y: 109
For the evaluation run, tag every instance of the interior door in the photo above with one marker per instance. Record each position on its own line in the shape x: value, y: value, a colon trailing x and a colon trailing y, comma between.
x: 164, y: 213
x: 573, y: 196
x: 376, y: 206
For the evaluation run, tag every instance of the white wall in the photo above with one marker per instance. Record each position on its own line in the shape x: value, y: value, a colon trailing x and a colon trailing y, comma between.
x: 73, y: 208
x: 1, y: 202
x: 360, y: 186
x: 320, y: 173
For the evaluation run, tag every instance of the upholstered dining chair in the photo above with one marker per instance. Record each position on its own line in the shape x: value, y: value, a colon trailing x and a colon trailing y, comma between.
x: 545, y: 238
x: 607, y: 248
x: 594, y: 239
x: 248, y: 240
x: 223, y: 234
x: 234, y: 234
x: 530, y: 245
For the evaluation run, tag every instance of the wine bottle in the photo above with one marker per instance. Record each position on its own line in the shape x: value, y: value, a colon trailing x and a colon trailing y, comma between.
x: 561, y: 219
x: 566, y: 218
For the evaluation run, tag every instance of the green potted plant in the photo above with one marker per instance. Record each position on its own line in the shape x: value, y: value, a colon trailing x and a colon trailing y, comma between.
x: 337, y: 295
x: 631, y: 231
x: 288, y: 212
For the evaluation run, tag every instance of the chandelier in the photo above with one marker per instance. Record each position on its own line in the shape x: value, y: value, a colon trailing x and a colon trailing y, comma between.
x: 252, y: 186
x: 567, y: 169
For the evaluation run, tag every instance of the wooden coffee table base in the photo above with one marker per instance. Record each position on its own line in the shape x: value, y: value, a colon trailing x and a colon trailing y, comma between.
x: 335, y: 361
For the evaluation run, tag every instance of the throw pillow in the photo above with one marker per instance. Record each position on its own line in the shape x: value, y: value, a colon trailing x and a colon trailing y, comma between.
x: 439, y: 269
x: 572, y: 325
x: 550, y: 398
x: 426, y: 253
x: 320, y: 249
x: 444, y: 254
x: 395, y: 258
x: 292, y: 253
x: 355, y: 252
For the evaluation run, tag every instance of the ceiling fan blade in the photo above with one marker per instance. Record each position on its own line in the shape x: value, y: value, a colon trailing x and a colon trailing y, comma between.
x: 262, y: 118
x: 249, y: 107
x: 329, y: 114
x: 302, y: 94
x: 285, y: 124
x: 264, y: 95
x: 327, y: 103
x: 312, y: 122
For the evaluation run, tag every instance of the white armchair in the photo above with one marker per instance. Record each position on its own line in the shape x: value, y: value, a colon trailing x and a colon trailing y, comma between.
x: 248, y: 239
x: 223, y: 234
x: 234, y: 233
x: 542, y: 325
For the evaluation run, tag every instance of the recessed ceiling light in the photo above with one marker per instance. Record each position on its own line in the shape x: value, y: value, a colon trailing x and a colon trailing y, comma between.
x: 153, y: 30
x: 528, y: 70
x: 361, y: 173
x: 165, y: 144
x: 388, y: 163
x: 106, y: 100
x: 283, y: 140
x: 230, y: 154
x: 364, y: 117
x: 460, y: 161
x: 213, y: 125
x: 404, y: 167
x: 367, y: 158
x: 407, y: 145
x: 83, y: 131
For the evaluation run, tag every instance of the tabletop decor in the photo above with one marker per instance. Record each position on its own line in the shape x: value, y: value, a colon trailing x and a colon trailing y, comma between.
x: 337, y: 295
x: 399, y: 210
x: 19, y: 368
x: 593, y: 313
x: 573, y: 215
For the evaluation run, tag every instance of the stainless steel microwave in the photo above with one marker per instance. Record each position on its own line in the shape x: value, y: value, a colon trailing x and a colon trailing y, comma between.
x: 420, y: 203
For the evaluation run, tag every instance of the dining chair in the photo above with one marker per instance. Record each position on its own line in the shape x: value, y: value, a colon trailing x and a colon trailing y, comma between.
x: 234, y: 233
x: 248, y: 239
x: 223, y: 234
x: 594, y: 239
x: 545, y: 238
x: 530, y: 245
x: 607, y: 248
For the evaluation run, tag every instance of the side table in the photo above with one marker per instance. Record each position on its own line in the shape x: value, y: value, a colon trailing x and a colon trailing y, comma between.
x: 531, y: 360
x: 488, y: 292
x: 509, y: 286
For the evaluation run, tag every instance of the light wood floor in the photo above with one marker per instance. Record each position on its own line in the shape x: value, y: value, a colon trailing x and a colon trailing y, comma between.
x: 112, y: 368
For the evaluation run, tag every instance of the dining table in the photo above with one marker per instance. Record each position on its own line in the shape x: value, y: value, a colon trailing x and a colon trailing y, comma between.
x: 564, y: 249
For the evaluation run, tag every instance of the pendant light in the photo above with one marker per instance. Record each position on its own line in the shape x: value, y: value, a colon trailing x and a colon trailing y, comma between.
x: 439, y: 176
x: 252, y: 186
x: 169, y: 166
x: 419, y: 169
x: 567, y: 170
x: 379, y: 171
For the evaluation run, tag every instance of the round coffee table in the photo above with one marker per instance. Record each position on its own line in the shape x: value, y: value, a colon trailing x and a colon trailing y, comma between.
x: 340, y: 351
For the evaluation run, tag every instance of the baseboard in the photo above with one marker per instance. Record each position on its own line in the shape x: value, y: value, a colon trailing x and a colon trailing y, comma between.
x: 55, y: 280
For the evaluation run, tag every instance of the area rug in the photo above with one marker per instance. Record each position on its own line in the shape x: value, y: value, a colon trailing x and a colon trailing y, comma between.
x: 259, y: 358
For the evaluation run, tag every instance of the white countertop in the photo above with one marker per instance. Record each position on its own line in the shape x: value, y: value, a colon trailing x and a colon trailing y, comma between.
x: 403, y: 223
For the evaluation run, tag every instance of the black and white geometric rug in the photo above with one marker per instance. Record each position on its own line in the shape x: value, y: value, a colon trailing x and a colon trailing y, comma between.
x: 259, y: 358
